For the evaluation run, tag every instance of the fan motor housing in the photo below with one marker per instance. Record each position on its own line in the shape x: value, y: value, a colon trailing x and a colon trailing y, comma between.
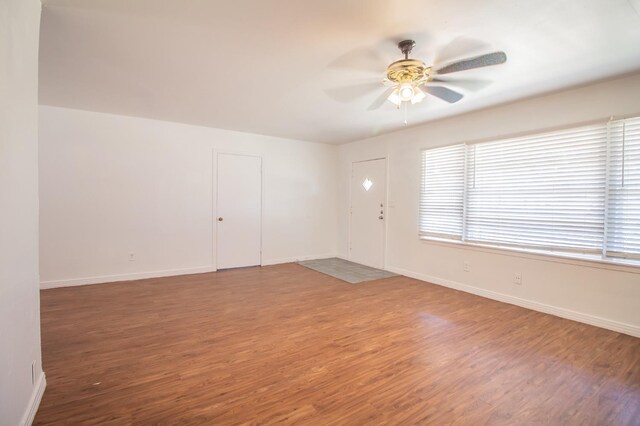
x: 408, y: 70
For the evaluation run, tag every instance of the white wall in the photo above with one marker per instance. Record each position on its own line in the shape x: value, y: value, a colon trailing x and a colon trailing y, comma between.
x: 111, y: 185
x: 19, y: 294
x: 581, y: 290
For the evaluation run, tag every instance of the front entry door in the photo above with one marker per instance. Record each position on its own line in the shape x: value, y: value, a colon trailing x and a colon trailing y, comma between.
x: 239, y: 207
x: 368, y: 197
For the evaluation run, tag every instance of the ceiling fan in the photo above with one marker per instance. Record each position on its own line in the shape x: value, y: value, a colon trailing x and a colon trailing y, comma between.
x: 407, y: 79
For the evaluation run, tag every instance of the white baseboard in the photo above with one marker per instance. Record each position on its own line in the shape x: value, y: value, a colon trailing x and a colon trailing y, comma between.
x: 34, y: 401
x: 124, y: 277
x: 620, y: 327
x: 296, y: 259
x: 71, y: 282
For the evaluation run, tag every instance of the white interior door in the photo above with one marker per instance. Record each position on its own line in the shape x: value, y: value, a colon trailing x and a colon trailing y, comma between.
x: 239, y: 208
x: 368, y: 195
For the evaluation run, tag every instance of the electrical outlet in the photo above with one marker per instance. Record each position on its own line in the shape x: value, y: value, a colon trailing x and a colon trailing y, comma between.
x: 132, y: 257
x: 466, y: 267
x: 517, y: 278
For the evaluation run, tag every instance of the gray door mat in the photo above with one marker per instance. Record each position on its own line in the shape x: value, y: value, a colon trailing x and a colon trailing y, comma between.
x: 344, y: 270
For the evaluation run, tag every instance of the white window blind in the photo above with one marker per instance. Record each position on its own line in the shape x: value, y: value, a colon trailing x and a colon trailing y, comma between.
x: 623, y: 215
x: 544, y: 191
x: 574, y: 190
x: 442, y: 194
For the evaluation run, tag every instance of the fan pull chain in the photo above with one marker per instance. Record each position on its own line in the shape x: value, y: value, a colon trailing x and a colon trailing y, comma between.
x: 405, y: 113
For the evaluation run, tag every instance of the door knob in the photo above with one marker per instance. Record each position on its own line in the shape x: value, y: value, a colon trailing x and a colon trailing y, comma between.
x: 220, y: 219
x: 380, y: 217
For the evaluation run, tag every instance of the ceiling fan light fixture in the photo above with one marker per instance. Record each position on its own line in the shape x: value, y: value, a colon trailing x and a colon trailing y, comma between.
x: 406, y: 91
x: 394, y: 98
x: 418, y: 96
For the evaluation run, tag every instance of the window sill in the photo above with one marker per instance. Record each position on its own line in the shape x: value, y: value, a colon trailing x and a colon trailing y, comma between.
x: 586, y: 260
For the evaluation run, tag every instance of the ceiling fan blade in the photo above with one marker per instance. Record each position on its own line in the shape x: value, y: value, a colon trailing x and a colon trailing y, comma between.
x: 466, y: 84
x: 443, y: 93
x: 494, y: 58
x: 381, y: 99
x: 347, y: 94
x: 360, y: 60
x: 459, y: 47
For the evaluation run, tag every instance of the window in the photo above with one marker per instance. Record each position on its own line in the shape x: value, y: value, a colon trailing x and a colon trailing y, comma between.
x: 575, y: 190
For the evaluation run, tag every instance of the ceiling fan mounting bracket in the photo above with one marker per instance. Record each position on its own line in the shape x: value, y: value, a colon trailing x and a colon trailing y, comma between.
x: 406, y: 46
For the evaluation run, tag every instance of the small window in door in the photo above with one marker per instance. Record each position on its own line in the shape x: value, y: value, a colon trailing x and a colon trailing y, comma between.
x: 367, y: 184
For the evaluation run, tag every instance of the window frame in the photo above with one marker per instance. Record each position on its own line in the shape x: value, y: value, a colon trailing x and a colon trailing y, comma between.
x: 571, y: 258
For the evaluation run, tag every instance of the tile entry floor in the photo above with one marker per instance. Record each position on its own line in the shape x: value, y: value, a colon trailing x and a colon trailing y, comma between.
x: 344, y: 270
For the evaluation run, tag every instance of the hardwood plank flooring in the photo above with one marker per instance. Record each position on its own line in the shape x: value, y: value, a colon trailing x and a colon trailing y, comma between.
x: 286, y: 344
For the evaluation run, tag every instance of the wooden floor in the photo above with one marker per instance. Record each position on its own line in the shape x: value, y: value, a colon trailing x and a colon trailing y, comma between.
x: 285, y: 344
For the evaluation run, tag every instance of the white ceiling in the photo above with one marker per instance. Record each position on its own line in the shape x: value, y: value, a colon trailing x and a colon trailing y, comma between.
x: 274, y: 66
